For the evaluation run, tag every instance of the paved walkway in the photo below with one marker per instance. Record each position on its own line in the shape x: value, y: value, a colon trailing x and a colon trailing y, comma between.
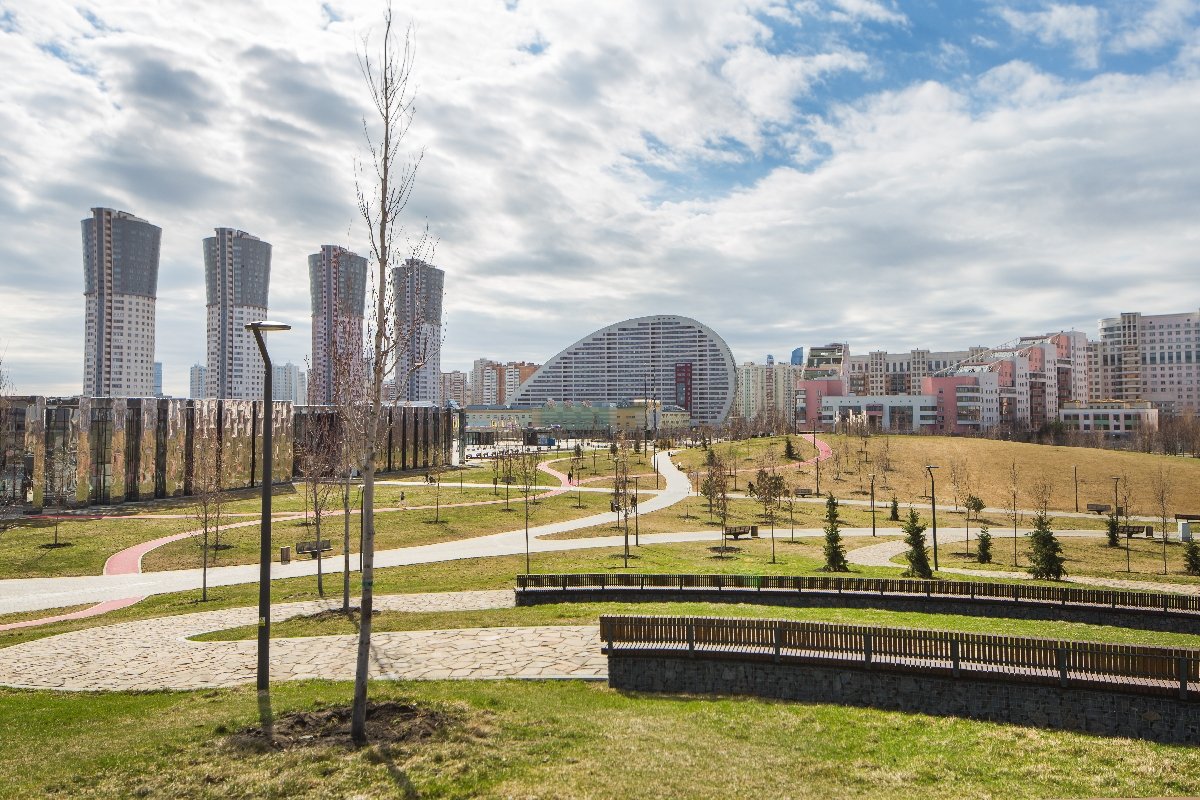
x: 156, y: 653
x: 30, y: 594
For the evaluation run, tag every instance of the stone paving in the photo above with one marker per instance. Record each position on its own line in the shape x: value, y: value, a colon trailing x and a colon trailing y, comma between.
x: 157, y: 653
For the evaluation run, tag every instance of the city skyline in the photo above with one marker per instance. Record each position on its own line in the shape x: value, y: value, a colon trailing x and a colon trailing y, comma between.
x: 788, y: 174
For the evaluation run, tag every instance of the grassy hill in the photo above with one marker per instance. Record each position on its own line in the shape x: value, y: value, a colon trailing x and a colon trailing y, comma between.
x: 979, y: 466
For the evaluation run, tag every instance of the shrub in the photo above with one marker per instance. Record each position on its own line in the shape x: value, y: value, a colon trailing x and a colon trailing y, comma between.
x: 835, y: 551
x: 918, y: 553
x: 985, y: 546
x: 1045, y: 554
x: 895, y: 517
x: 1114, y: 537
x: 1191, y: 557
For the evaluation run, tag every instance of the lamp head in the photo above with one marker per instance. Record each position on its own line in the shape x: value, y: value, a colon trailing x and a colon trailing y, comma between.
x: 266, y: 325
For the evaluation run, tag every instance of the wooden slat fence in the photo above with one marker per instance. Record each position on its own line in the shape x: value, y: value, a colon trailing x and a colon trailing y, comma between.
x: 1153, y: 670
x: 1062, y: 595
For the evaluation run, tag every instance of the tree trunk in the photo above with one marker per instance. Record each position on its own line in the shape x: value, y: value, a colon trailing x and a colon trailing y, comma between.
x: 204, y: 569
x: 346, y: 547
x: 320, y: 564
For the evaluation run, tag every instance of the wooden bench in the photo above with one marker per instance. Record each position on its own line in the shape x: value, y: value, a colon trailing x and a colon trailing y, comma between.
x: 1134, y: 530
x: 1099, y: 508
x: 738, y: 531
x: 804, y: 493
x: 312, y: 548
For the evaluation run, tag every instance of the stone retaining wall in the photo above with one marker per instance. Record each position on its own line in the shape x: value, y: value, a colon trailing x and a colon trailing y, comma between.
x: 1143, y: 619
x: 1094, y: 712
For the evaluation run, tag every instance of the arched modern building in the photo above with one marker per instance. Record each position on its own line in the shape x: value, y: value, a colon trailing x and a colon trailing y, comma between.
x: 673, y: 359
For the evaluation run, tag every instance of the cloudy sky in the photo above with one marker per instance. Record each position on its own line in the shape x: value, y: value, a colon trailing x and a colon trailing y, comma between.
x: 925, y: 173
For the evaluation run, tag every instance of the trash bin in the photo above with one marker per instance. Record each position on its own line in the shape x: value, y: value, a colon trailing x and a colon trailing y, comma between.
x: 285, y: 554
x: 1185, y: 531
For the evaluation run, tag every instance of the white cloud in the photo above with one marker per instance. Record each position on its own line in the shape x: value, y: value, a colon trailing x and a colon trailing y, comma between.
x: 1164, y: 21
x: 870, y: 10
x: 1073, y: 25
x: 928, y: 215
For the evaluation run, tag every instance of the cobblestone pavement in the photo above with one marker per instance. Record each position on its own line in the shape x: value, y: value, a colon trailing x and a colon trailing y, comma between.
x: 881, y: 555
x: 157, y: 654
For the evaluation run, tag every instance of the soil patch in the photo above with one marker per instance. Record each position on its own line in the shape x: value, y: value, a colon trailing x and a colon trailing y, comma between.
x: 388, y: 723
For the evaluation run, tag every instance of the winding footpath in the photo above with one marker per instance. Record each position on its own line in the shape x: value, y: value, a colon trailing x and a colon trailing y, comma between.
x: 32, y: 594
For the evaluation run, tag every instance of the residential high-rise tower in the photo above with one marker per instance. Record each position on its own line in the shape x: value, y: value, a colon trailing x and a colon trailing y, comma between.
x: 338, y: 284
x: 120, y: 274
x: 237, y: 273
x: 418, y: 288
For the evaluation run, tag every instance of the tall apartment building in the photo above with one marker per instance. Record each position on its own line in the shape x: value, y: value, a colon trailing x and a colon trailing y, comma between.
x: 158, y: 390
x: 288, y: 384
x: 1150, y: 357
x: 418, y: 287
x: 767, y: 391
x: 120, y: 284
x: 197, y: 381
x: 338, y: 285
x: 455, y: 385
x: 493, y: 383
x: 237, y: 274
x: 827, y: 362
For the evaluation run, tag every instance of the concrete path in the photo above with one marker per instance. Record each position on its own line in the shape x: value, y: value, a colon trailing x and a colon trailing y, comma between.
x: 156, y: 653
x: 30, y: 594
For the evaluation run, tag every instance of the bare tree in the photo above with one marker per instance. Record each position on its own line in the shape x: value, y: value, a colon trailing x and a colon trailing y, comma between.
x: 1014, y: 507
x: 1162, y: 490
x: 392, y: 175
x: 349, y: 381
x: 960, y: 479
x: 60, y: 478
x: 319, y: 455
x: 207, y: 488
x: 1041, y: 488
x: 527, y: 468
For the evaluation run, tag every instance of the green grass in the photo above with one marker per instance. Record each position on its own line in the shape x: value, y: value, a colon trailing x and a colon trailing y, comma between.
x: 802, y: 557
x: 589, y: 614
x: 1091, y: 557
x: 559, y: 739
x: 393, y: 529
x: 692, y: 515
x: 85, y: 544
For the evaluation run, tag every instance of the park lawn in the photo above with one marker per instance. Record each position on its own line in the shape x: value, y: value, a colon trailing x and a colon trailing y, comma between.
x: 404, y: 528
x: 1091, y: 557
x: 988, y: 463
x: 495, y: 572
x: 589, y: 614
x: 504, y: 739
x: 485, y: 473
x: 387, y: 495
x: 692, y: 515
x: 84, y: 544
x: 22, y: 616
x: 749, y: 454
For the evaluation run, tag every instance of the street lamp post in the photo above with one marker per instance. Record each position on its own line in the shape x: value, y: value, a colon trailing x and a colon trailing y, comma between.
x: 933, y: 507
x: 1116, y: 479
x: 1075, y: 467
x: 637, y: 542
x: 264, y: 551
x: 872, y: 503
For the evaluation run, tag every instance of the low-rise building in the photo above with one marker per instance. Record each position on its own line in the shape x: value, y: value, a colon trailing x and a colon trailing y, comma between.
x: 1114, y: 417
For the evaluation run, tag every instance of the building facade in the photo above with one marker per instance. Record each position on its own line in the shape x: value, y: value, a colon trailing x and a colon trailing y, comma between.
x: 1151, y: 357
x: 419, y: 288
x: 338, y: 287
x: 664, y: 357
x: 493, y: 383
x: 288, y: 384
x: 767, y: 393
x: 455, y: 387
x: 120, y: 269
x: 197, y: 381
x: 237, y: 275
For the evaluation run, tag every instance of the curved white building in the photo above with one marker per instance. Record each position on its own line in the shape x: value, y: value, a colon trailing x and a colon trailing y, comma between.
x: 664, y: 357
